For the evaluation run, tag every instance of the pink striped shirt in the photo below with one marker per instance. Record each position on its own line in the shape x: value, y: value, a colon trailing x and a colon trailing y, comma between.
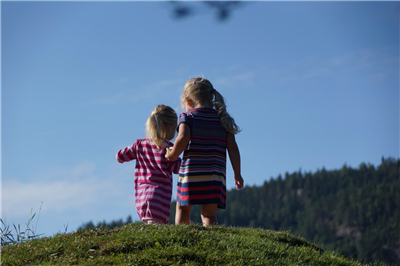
x: 153, y: 178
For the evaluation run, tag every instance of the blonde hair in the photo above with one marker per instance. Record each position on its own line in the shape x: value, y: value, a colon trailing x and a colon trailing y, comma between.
x: 157, y: 125
x: 201, y: 91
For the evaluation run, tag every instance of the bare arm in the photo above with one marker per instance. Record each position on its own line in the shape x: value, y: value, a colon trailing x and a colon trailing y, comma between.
x: 234, y: 156
x: 181, y: 142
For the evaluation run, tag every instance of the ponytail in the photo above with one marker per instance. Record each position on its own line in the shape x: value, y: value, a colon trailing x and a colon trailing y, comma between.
x: 226, y: 120
x: 161, y: 118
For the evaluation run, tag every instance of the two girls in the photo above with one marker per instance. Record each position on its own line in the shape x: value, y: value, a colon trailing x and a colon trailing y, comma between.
x: 205, y: 132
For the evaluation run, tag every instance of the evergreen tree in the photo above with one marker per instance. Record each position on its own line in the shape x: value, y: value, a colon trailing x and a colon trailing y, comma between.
x: 353, y: 211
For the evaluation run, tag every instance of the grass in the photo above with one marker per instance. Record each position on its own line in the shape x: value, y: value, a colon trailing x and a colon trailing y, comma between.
x: 19, y: 235
x: 139, y: 244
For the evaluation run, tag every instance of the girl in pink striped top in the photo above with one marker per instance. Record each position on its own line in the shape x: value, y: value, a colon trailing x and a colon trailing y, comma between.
x: 153, y: 172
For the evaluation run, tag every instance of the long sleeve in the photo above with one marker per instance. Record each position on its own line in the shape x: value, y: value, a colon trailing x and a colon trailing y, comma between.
x: 174, y: 166
x: 127, y: 154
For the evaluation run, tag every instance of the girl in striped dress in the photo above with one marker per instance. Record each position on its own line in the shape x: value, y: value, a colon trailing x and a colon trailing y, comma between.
x: 205, y: 132
x: 153, y: 172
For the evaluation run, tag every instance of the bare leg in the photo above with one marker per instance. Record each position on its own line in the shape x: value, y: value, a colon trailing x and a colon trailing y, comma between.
x: 209, y: 214
x: 182, y: 215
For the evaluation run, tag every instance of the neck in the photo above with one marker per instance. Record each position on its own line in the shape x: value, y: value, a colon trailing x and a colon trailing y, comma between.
x: 203, y: 105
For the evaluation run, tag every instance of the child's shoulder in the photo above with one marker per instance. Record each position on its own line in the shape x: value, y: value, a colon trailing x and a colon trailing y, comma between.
x: 148, y: 144
x: 144, y: 141
x: 202, y: 110
x: 185, y: 115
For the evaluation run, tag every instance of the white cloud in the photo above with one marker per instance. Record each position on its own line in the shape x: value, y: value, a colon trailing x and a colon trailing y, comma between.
x: 58, y: 196
x: 168, y: 87
x: 374, y: 61
x: 339, y: 61
x: 235, y: 78
x: 317, y: 72
x: 113, y: 99
x: 77, y: 189
x: 139, y: 92
x: 245, y: 76
x: 379, y: 64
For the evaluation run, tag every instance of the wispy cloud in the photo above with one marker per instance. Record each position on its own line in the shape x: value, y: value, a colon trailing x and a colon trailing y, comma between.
x: 113, y: 99
x: 338, y: 61
x: 374, y: 62
x: 170, y: 87
x: 232, y: 79
x: 77, y: 189
x: 138, y: 92
x: 379, y: 64
x: 316, y: 72
x: 163, y: 87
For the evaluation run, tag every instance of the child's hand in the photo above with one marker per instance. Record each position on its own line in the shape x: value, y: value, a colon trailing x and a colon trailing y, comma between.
x: 239, y: 181
x: 168, y: 154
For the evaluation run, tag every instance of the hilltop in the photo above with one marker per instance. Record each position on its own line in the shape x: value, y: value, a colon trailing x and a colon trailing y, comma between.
x: 139, y: 244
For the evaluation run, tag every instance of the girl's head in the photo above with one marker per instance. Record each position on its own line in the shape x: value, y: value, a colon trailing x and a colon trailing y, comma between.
x: 161, y: 125
x: 200, y: 92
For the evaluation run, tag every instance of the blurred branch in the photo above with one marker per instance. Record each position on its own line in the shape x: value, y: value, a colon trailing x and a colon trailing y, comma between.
x: 223, y: 9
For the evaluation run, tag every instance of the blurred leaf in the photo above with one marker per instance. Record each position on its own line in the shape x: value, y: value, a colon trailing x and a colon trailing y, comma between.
x: 182, y: 12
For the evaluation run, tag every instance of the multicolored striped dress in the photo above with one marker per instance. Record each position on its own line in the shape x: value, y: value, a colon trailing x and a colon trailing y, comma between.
x: 202, y: 174
x: 153, y: 179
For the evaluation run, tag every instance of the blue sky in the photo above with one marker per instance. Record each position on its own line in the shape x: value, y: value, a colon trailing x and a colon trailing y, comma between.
x: 312, y: 85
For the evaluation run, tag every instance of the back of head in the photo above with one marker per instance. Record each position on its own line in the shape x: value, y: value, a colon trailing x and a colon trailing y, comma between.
x: 158, y: 124
x: 201, y: 91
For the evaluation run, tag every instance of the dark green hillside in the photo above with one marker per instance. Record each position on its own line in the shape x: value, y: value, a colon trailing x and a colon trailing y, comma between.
x: 353, y: 211
x: 139, y: 244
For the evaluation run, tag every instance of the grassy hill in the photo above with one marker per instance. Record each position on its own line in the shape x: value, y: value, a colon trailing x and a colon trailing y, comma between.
x: 138, y: 244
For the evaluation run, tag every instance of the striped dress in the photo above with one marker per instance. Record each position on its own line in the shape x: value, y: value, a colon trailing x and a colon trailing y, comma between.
x: 203, y: 169
x: 153, y: 178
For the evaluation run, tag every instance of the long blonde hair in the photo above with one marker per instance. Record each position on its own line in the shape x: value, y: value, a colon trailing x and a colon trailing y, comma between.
x: 157, y: 125
x: 201, y: 91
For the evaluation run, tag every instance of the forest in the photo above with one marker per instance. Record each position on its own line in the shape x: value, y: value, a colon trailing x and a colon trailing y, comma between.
x: 355, y: 212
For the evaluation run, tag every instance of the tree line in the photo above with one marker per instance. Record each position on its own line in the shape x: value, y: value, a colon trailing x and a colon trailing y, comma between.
x: 352, y: 211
